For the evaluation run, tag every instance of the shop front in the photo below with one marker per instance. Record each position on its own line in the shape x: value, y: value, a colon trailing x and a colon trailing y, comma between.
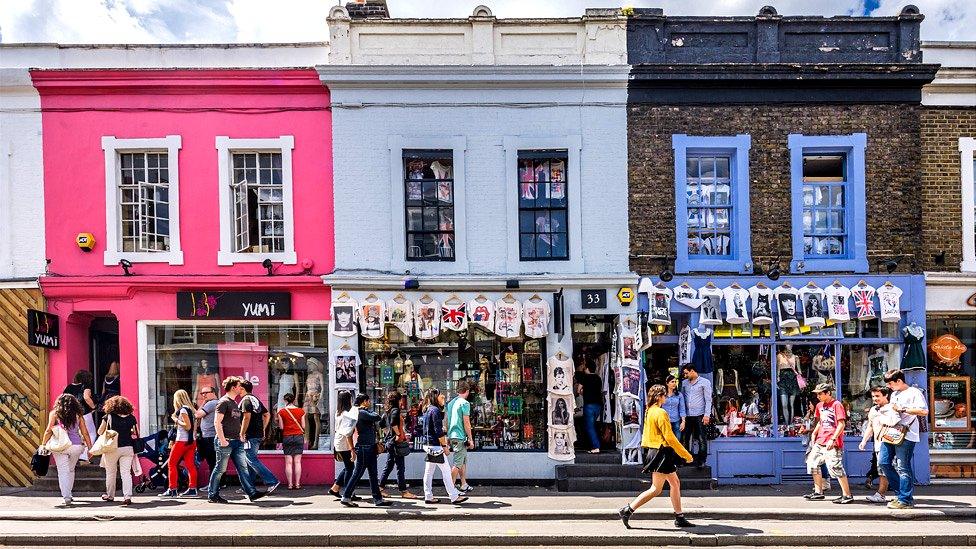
x: 770, y: 343
x: 518, y: 342
x: 951, y: 350
x: 191, y: 334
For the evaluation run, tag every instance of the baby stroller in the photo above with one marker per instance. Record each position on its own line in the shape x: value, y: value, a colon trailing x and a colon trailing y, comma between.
x: 158, y: 451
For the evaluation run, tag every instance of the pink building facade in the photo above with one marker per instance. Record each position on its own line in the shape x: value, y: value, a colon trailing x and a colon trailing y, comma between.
x: 208, y: 197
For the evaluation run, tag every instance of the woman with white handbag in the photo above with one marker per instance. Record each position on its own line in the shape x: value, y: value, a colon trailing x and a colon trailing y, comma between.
x: 119, y: 418
x: 66, y: 437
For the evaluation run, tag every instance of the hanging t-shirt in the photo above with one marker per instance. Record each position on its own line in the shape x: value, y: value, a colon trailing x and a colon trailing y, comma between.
x: 787, y: 299
x: 508, y: 319
x: 659, y: 302
x: 401, y: 316
x: 735, y: 305
x: 711, y: 308
x: 560, y: 376
x: 561, y: 444
x: 454, y: 317
x: 813, y: 309
x: 345, y: 367
x: 838, y: 308
x: 684, y: 346
x: 889, y: 296
x: 481, y: 311
x: 372, y: 319
x: 864, y: 301
x: 427, y: 319
x: 344, y: 318
x: 762, y: 305
x: 535, y: 316
x: 561, y: 410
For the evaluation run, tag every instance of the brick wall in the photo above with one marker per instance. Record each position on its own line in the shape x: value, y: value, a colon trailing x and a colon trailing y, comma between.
x: 894, y: 220
x: 941, y: 192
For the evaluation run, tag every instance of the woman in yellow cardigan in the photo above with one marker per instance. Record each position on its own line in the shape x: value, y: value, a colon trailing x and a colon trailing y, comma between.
x: 663, y: 464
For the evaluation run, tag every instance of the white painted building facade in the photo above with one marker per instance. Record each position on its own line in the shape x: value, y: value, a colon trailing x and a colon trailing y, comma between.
x: 486, y: 94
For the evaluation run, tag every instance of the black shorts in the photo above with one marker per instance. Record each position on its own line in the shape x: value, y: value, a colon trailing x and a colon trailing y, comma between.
x: 664, y: 462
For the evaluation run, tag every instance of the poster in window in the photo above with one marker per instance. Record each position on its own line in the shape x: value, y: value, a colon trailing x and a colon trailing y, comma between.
x: 950, y: 404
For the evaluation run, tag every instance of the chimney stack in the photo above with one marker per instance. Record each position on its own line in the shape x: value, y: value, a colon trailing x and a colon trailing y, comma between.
x: 368, y: 9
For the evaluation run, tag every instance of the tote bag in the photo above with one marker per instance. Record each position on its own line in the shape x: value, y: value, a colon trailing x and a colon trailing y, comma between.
x: 106, y: 442
x: 59, y: 441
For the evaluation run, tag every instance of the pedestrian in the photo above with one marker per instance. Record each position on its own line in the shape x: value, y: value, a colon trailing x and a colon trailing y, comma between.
x: 674, y: 405
x: 68, y: 414
x: 110, y: 384
x: 665, y: 449
x: 436, y: 448
x: 459, y: 434
x: 82, y: 388
x: 343, y: 449
x: 397, y: 435
x: 119, y: 418
x: 590, y: 386
x: 880, y: 416
x: 184, y: 446
x: 254, y: 423
x: 697, y: 392
x: 827, y: 445
x: 895, y: 458
x: 227, y: 425
x: 367, y: 424
x: 291, y: 423
x: 205, y: 415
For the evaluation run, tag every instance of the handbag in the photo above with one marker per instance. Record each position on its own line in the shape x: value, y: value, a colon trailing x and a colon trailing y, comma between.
x: 138, y: 444
x: 651, y: 456
x: 380, y: 448
x: 107, y: 442
x: 895, y: 434
x: 801, y: 381
x: 40, y: 462
x: 434, y: 458
x: 401, y: 448
x: 59, y: 441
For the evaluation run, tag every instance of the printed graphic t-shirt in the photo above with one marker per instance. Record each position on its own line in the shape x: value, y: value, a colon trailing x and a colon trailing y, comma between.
x: 788, y: 300
x: 711, y: 308
x: 735, y: 305
x: 762, y: 305
x: 536, y: 316
x: 837, y: 303
x: 864, y: 301
x: 813, y: 310
x: 830, y: 415
x: 890, y: 299
x: 482, y: 313
x: 231, y: 421
x: 401, y: 316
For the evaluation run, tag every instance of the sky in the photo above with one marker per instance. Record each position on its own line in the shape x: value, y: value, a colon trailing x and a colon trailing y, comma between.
x: 216, y: 21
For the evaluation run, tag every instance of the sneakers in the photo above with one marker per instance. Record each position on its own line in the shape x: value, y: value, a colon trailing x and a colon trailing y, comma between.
x: 681, y: 522
x: 217, y: 499
x: 843, y: 500
x: 256, y: 496
x: 876, y: 498
x: 898, y: 504
x: 273, y: 487
x: 466, y: 489
x: 348, y: 503
x: 190, y: 493
x: 814, y: 496
x: 383, y: 503
x: 169, y: 494
x: 625, y: 512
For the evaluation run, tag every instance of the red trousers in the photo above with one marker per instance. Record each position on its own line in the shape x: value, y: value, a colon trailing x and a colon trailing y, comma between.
x: 182, y: 451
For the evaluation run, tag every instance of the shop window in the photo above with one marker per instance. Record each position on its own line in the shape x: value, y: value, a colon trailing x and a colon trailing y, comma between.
x: 742, y: 390
x: 508, y: 406
x: 863, y: 367
x: 256, y: 210
x: 277, y: 359
x: 828, y: 207
x: 967, y: 145
x: 712, y: 203
x: 142, y: 209
x: 946, y: 337
x: 429, y: 204
x: 798, y: 369
x: 543, y: 205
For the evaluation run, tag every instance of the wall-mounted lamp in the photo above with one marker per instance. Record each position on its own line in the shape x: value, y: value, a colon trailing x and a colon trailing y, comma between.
x: 773, y: 271
x: 890, y: 264
x: 126, y: 265
x: 667, y: 275
x: 411, y: 284
x: 267, y: 264
x: 512, y: 284
x: 940, y: 258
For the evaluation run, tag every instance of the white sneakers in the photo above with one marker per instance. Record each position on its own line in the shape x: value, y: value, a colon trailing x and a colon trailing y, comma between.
x: 877, y: 498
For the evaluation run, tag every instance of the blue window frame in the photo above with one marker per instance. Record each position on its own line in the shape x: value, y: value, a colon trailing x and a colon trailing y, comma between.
x: 712, y: 203
x: 828, y: 210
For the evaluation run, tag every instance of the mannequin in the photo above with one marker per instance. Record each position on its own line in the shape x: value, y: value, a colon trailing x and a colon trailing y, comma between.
x: 411, y: 382
x: 786, y: 367
x: 287, y: 380
x: 206, y: 376
x: 313, y: 403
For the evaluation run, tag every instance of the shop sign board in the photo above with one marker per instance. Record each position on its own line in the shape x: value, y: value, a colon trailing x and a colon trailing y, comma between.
x: 233, y: 305
x: 950, y: 405
x: 593, y: 299
x: 948, y: 348
x: 43, y: 329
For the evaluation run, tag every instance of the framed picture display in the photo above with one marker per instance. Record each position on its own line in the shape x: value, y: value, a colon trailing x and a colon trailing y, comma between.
x: 949, y: 403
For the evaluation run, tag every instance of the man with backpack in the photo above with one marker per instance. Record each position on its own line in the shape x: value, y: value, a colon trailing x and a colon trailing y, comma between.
x: 253, y: 426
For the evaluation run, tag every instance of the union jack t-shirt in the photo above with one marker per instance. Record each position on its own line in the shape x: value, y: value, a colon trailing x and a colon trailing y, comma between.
x: 864, y: 301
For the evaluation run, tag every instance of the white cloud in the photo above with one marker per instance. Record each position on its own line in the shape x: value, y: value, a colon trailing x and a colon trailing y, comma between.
x: 141, y: 21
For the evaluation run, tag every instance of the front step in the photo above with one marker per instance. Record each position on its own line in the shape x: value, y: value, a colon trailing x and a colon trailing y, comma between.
x: 603, y: 472
x: 88, y: 478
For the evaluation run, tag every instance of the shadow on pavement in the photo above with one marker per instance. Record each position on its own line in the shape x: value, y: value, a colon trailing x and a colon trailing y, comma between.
x: 707, y: 529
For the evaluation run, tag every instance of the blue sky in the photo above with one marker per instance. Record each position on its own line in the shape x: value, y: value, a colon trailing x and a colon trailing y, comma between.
x: 208, y: 21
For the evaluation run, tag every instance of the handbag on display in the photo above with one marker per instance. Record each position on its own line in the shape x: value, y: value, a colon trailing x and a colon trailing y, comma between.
x: 59, y: 441
x: 801, y: 381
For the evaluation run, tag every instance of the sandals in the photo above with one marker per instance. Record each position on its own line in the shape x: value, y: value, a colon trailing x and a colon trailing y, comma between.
x: 126, y: 502
x: 105, y: 497
x: 407, y: 495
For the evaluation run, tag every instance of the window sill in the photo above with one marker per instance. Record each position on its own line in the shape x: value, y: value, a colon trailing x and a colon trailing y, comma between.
x: 857, y: 265
x: 740, y: 266
x: 173, y: 257
x: 230, y: 258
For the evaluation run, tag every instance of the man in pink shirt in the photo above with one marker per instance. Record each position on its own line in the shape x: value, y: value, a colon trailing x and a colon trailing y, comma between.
x: 827, y: 444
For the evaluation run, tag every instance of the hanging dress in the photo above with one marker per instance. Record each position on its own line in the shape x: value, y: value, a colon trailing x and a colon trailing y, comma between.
x: 914, y: 353
x: 702, y: 355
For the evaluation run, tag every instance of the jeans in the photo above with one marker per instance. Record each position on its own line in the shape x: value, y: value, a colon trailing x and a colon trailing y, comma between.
x: 394, y: 460
x: 365, y: 463
x: 255, y: 467
x: 235, y: 451
x: 445, y: 470
x: 676, y: 428
x: 206, y: 452
x: 695, y: 431
x: 345, y: 456
x: 591, y: 412
x: 901, y: 477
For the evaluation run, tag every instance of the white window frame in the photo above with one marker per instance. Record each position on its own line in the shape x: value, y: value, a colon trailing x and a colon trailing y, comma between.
x: 226, y: 146
x: 573, y: 145
x: 967, y: 146
x: 398, y: 260
x: 112, y: 147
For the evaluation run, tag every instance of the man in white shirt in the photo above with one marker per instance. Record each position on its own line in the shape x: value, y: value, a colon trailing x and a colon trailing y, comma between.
x: 910, y: 404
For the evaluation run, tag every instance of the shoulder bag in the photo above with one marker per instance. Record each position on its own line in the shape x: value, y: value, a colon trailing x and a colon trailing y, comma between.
x: 401, y: 447
x: 292, y: 416
x: 895, y: 434
x: 59, y: 441
x: 107, y: 442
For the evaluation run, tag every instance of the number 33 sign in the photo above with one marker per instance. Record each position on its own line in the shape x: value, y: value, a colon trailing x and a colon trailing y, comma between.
x: 593, y: 299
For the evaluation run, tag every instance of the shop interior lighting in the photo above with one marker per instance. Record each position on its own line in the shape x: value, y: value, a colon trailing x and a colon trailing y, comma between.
x: 267, y: 264
x: 126, y: 265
